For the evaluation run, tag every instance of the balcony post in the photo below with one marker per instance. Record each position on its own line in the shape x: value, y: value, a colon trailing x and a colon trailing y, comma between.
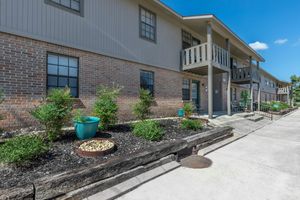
x: 210, y: 88
x: 258, y: 96
x: 251, y: 84
x: 229, y: 79
x: 259, y: 90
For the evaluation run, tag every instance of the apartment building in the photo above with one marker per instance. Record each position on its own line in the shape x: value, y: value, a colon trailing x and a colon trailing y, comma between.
x: 82, y: 44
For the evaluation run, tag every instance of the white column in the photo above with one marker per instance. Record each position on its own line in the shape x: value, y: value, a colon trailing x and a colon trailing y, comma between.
x: 258, y: 97
x: 251, y: 84
x: 259, y: 89
x: 210, y: 89
x: 229, y: 79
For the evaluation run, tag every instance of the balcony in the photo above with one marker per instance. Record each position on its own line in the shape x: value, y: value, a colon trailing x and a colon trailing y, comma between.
x: 245, y: 75
x: 285, y: 90
x: 195, y: 59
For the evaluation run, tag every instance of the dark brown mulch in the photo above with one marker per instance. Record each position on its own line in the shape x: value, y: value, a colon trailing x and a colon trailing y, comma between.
x: 62, y: 156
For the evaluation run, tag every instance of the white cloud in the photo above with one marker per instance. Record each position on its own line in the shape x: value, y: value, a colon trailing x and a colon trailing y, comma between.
x: 281, y: 41
x: 259, y: 45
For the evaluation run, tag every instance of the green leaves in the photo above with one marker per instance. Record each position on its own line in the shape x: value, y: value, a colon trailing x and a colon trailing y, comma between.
x: 106, y: 107
x: 188, y: 109
x: 22, y: 149
x: 191, y: 124
x: 142, y: 109
x: 148, y: 129
x: 54, y: 112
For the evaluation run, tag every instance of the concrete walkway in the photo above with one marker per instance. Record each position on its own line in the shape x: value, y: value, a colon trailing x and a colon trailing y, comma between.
x: 265, y: 165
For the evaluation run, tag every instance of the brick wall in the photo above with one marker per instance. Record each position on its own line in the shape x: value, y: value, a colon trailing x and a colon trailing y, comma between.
x: 23, y: 78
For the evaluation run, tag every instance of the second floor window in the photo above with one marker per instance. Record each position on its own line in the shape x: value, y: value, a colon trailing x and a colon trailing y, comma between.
x: 71, y: 5
x: 147, y: 81
x: 147, y: 24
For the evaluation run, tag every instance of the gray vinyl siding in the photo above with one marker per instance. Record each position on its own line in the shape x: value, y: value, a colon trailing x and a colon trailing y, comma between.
x: 108, y: 27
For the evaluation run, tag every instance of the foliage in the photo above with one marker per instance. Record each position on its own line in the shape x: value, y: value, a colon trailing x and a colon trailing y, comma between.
x: 148, y: 129
x: 275, y: 106
x: 295, y: 80
x: 20, y: 150
x: 188, y: 109
x: 79, y: 116
x: 245, y: 96
x: 265, y: 106
x: 142, y: 109
x: 55, y: 112
x: 106, y: 106
x: 191, y: 124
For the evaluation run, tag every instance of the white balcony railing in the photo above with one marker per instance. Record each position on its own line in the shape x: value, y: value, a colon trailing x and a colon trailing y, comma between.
x: 197, y: 56
x: 285, y: 90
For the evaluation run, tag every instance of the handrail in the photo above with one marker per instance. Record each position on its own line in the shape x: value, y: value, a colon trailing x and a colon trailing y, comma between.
x: 245, y: 73
x: 198, y: 54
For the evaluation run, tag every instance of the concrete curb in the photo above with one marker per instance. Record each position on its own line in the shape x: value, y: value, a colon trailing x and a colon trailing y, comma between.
x: 130, y: 184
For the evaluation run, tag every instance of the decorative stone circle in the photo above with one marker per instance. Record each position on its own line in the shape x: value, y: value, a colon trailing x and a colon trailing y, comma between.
x: 95, y: 147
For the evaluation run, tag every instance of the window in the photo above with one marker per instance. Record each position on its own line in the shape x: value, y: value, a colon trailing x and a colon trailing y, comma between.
x: 233, y: 94
x: 62, y: 71
x: 75, y: 6
x: 186, y: 39
x: 147, y: 81
x: 186, y: 89
x: 147, y: 24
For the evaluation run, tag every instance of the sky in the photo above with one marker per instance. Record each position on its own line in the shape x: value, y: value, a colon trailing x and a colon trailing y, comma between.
x: 272, y: 27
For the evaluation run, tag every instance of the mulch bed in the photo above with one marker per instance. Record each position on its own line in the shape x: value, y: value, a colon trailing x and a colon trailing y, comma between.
x: 62, y: 156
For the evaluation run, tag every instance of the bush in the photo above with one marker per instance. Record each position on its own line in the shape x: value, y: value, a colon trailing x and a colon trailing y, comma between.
x: 245, y: 99
x: 278, y: 106
x: 265, y: 106
x: 142, y: 109
x: 191, y: 124
x: 55, y: 112
x: 149, y: 130
x: 106, y: 107
x: 22, y: 149
x: 188, y: 109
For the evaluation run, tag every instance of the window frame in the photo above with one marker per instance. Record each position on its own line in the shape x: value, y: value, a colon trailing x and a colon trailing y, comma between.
x: 153, y: 79
x: 47, y: 75
x: 68, y: 9
x: 186, y: 89
x: 140, y: 24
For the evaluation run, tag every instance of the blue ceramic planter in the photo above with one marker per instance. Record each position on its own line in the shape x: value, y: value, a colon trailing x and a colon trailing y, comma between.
x: 180, y: 112
x: 87, y: 129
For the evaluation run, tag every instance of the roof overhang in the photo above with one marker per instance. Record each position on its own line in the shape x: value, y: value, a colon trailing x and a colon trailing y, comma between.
x: 200, y: 22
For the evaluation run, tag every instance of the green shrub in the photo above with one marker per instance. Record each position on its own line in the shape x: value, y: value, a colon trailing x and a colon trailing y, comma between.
x: 265, y: 106
x: 106, y: 107
x: 22, y: 149
x: 55, y: 112
x: 148, y: 129
x: 188, y: 109
x: 142, y: 109
x: 245, y: 99
x: 277, y: 106
x: 191, y: 124
x: 79, y: 117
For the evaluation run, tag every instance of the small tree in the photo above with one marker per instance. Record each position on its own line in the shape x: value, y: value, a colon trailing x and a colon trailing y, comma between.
x: 142, y: 109
x: 55, y: 112
x: 245, y: 99
x: 188, y: 109
x: 106, y: 107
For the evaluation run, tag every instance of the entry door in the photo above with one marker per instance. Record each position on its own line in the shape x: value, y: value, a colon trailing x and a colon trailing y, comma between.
x: 196, y: 94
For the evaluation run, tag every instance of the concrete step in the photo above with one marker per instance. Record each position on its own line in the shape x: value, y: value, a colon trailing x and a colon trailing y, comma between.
x: 255, y: 118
